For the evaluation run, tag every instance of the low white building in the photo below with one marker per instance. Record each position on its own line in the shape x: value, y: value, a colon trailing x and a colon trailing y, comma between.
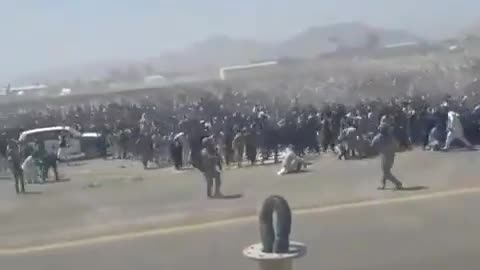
x: 35, y: 89
x: 226, y: 71
x: 154, y: 79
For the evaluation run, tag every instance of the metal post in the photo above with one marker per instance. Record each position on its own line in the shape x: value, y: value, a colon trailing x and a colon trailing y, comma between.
x: 275, y: 261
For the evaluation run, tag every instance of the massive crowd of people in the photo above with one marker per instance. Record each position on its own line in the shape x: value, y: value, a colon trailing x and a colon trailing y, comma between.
x: 238, y: 127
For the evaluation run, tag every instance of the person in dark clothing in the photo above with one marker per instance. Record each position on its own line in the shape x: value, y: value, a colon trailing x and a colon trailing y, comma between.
x: 270, y: 143
x: 102, y: 145
x: 145, y: 147
x: 62, y: 148
x: 238, y: 145
x: 400, y: 129
x: 426, y: 123
x: 15, y: 164
x: 211, y: 165
x: 385, y: 145
x: 435, y: 139
x: 228, y: 147
x: 251, y: 146
x: 196, y: 148
x: 49, y: 161
x: 327, y: 135
x: 46, y: 161
x: 311, y: 134
x: 176, y: 154
x: 3, y: 147
x: 123, y: 144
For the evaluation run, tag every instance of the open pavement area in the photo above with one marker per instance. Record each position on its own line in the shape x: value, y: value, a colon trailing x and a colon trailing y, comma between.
x: 110, y: 214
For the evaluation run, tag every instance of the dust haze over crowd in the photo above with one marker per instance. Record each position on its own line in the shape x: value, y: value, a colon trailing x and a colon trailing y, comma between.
x: 99, y: 36
x: 155, y: 95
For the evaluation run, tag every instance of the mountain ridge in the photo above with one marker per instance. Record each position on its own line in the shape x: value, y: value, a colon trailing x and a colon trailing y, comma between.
x: 221, y: 50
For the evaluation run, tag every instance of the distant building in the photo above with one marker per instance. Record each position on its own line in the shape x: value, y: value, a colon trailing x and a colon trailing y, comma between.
x: 5, y: 91
x: 234, y: 71
x: 35, y: 89
x: 401, y: 45
x: 405, y: 49
x: 65, y: 92
x: 154, y: 80
x: 389, y: 50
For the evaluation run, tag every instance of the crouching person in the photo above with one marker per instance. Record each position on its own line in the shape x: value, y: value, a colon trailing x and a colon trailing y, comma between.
x: 363, y: 147
x: 30, y: 171
x: 349, y: 143
x: 291, y: 163
x: 434, y: 139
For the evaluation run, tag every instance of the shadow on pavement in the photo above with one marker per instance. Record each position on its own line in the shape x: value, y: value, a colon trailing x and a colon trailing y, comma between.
x: 464, y: 149
x: 32, y: 193
x: 152, y: 168
x: 268, y: 164
x: 413, y: 188
x: 230, y: 197
x: 75, y: 164
x: 61, y: 180
x: 296, y: 173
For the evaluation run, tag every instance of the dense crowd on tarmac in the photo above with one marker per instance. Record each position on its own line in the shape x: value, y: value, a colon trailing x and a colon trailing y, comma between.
x: 235, y: 128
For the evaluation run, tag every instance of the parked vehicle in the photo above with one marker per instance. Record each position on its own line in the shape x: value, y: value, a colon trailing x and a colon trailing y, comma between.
x: 50, y: 137
x: 91, y: 144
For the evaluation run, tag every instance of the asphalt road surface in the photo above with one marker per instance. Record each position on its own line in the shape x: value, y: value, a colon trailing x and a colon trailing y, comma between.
x: 111, y: 197
x: 425, y: 234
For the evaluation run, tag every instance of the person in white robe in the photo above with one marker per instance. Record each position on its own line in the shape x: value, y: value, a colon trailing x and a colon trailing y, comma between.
x: 186, y: 150
x: 455, y: 131
x: 291, y: 163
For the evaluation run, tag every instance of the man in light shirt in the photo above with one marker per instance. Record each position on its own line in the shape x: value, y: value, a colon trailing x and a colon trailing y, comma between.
x: 455, y: 131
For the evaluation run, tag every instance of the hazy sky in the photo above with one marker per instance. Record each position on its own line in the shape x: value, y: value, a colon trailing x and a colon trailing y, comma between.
x: 43, y: 34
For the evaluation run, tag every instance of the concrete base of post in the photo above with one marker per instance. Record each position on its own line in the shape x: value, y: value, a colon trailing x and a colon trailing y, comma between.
x: 274, y: 261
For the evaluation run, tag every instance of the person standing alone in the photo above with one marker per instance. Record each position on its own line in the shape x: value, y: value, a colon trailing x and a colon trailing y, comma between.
x: 211, y: 165
x: 62, y: 148
x: 238, y: 145
x: 15, y: 164
x: 385, y: 145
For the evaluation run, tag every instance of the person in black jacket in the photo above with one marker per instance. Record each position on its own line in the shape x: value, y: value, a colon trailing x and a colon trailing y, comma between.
x: 15, y: 164
x: 211, y: 166
x: 176, y: 154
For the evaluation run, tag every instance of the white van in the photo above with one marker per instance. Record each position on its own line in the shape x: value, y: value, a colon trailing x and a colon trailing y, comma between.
x: 50, y: 137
